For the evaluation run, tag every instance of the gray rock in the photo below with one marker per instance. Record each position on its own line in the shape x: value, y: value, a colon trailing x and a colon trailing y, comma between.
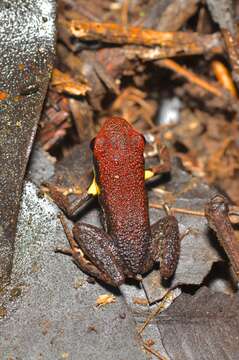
x: 27, y: 39
x: 53, y: 313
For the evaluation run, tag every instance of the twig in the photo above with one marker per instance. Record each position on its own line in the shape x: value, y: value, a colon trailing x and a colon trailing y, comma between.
x: 233, y: 211
x: 179, y: 210
x: 124, y: 13
x: 154, y: 352
x: 190, y: 76
x: 223, y: 76
x: 181, y: 42
x: 163, y: 305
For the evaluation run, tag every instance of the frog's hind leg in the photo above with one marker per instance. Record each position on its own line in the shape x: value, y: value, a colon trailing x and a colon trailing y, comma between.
x: 166, y: 244
x: 74, y: 248
x: 77, y: 253
x: 93, y: 253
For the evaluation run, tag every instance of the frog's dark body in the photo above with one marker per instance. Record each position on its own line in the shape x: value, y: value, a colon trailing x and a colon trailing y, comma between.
x: 119, y: 168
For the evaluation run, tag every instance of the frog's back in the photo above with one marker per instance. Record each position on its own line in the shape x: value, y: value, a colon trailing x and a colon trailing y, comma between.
x: 119, y: 166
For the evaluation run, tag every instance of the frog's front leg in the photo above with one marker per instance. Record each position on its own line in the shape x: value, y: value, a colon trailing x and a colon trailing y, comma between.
x: 164, y: 166
x: 95, y: 253
x: 165, y: 245
x: 72, y: 208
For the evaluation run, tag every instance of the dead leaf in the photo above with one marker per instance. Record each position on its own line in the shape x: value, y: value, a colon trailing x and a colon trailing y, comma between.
x: 202, y: 326
x: 105, y: 299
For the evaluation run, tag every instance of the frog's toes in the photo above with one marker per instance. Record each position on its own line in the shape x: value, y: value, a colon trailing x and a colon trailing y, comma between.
x: 67, y: 251
x: 138, y: 277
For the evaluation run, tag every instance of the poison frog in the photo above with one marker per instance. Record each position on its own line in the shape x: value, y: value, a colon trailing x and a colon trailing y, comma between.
x: 127, y: 246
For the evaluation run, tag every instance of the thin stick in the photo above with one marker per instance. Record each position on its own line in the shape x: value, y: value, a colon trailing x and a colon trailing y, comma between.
x: 223, y: 76
x: 192, y: 77
x: 233, y: 212
x: 168, y: 298
x: 154, y: 352
x: 124, y: 13
x: 179, y: 210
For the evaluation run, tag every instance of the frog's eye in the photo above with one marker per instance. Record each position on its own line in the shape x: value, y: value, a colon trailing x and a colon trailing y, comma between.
x: 92, y: 144
x: 143, y: 139
x: 138, y: 140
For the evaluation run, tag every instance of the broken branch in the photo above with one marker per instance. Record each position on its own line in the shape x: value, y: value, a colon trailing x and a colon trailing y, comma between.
x: 183, y: 42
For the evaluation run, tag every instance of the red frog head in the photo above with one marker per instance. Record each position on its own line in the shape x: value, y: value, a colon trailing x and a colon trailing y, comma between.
x: 116, y: 141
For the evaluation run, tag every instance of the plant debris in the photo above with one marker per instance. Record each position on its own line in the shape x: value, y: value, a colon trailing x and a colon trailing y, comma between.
x: 105, y: 299
x: 202, y: 321
x: 63, y: 82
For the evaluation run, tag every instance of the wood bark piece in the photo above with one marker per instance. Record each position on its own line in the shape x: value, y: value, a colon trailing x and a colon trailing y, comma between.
x: 223, y: 12
x: 217, y: 210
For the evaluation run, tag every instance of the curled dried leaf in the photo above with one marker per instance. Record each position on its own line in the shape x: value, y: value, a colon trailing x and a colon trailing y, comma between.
x: 105, y: 299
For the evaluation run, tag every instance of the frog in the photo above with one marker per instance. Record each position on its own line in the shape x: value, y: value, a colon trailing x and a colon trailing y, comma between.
x: 127, y: 246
